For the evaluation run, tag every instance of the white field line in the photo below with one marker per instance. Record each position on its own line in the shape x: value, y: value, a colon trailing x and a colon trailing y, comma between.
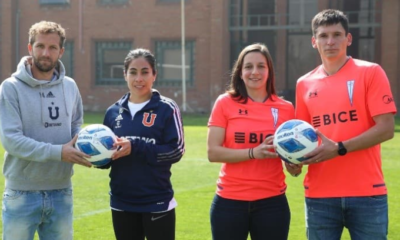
x: 88, y: 214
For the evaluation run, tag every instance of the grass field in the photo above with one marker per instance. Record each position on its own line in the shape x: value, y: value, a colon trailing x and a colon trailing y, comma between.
x: 194, y: 183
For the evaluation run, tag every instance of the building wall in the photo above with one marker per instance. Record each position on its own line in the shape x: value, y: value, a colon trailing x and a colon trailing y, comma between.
x: 219, y: 72
x: 7, y: 56
x: 143, y: 23
x: 390, y: 45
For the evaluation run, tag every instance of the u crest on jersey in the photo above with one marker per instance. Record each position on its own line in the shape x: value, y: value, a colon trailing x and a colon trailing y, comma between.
x: 149, y: 119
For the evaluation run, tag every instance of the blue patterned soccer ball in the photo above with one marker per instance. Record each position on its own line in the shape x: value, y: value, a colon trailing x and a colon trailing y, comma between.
x: 293, y: 139
x: 97, y: 141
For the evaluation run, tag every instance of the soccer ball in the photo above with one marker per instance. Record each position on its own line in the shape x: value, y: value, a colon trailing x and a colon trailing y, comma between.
x: 293, y: 139
x: 97, y: 141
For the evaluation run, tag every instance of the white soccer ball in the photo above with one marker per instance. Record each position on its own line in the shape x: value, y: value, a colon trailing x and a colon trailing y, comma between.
x: 293, y: 139
x: 97, y: 141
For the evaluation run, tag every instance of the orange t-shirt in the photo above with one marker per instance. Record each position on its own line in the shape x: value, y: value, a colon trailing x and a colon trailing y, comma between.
x: 246, y: 126
x: 342, y: 106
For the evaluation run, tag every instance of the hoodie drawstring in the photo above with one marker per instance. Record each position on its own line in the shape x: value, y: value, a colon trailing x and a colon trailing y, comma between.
x: 65, y: 100
x: 41, y: 105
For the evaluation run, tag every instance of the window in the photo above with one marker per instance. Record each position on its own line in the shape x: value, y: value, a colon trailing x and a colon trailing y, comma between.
x: 110, y: 62
x: 301, y: 12
x: 171, y: 0
x: 169, y: 57
x: 67, y: 59
x: 364, y: 23
x: 113, y: 1
x: 300, y: 56
x: 43, y: 2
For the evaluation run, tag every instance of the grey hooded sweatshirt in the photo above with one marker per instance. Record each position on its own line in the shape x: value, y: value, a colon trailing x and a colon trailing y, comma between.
x: 36, y: 118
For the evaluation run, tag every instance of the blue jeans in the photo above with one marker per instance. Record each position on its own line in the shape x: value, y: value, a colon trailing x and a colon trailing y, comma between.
x: 366, y: 218
x: 267, y: 218
x: 47, y: 212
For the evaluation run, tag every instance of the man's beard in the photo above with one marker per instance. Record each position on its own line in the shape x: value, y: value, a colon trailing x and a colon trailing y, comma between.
x: 44, y: 68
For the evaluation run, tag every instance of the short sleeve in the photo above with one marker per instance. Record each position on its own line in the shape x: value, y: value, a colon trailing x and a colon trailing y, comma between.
x: 218, y: 117
x: 379, y: 95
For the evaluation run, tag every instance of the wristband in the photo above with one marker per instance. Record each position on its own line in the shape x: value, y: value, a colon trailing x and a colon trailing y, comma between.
x: 251, y: 154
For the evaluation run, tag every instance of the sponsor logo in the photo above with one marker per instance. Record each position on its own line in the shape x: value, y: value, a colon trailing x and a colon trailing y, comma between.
x: 243, y: 112
x: 84, y: 137
x: 50, y: 95
x: 313, y: 94
x: 334, y: 118
x: 241, y: 137
x: 118, y: 120
x: 287, y: 134
x: 147, y: 140
x: 47, y: 125
x: 155, y: 218
x: 387, y: 99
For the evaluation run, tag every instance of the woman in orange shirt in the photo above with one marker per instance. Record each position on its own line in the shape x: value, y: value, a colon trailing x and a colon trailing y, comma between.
x: 250, y: 196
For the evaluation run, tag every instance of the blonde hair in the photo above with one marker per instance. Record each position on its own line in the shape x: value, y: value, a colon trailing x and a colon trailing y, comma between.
x: 45, y: 27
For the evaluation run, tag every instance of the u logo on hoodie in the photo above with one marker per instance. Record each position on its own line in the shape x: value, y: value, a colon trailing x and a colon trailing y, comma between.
x: 148, y: 119
x: 51, y: 113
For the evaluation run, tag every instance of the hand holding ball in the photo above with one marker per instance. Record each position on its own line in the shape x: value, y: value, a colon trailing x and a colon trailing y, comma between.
x: 97, y: 141
x: 293, y: 139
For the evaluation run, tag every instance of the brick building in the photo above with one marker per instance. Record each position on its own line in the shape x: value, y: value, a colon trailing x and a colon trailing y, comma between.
x: 101, y: 32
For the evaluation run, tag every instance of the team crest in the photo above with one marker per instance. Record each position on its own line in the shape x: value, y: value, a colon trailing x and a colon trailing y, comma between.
x: 275, y: 115
x: 350, y: 90
x: 55, y: 115
x: 118, y: 124
x: 149, y: 119
x: 118, y: 119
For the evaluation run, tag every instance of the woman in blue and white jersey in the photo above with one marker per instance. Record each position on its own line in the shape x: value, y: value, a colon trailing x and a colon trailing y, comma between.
x: 150, y: 139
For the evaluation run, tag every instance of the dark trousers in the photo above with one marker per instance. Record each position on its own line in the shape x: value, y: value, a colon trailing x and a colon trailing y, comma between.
x: 267, y: 218
x: 137, y: 226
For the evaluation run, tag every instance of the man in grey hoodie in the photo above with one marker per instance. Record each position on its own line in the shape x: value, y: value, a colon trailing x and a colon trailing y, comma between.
x: 40, y: 114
